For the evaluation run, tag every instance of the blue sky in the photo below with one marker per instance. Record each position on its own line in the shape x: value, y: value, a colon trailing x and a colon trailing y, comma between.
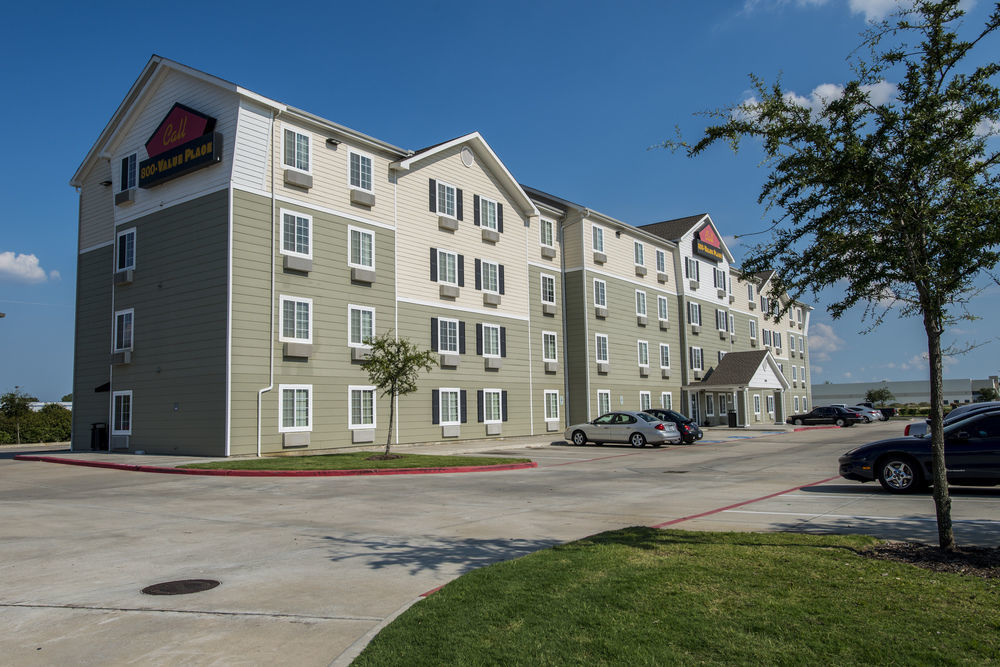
x: 570, y: 95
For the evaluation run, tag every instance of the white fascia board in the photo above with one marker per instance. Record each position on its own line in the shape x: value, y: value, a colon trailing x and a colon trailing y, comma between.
x: 769, y: 358
x: 729, y: 256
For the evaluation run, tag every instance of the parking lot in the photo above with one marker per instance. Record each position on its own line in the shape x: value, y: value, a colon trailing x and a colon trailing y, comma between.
x: 311, y: 566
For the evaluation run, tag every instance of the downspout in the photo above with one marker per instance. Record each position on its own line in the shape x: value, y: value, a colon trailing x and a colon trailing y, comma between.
x: 562, y: 310
x: 270, y: 325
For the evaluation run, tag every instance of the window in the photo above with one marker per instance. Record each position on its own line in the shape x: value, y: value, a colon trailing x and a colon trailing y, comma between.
x: 661, y: 261
x: 639, y: 254
x: 643, y: 353
x: 296, y: 150
x: 598, y: 238
x: 489, y: 276
x: 296, y: 234
x: 488, y: 213
x: 491, y: 340
x: 123, y: 329
x: 296, y: 408
x: 756, y: 404
x: 667, y: 400
x: 640, y: 303
x: 721, y: 319
x: 548, y: 233
x: 732, y: 323
x: 753, y: 329
x: 361, y: 171
x: 644, y: 400
x: 802, y: 373
x: 664, y: 355
x: 603, y: 401
x: 697, y: 362
x: 692, y: 269
x: 362, y: 407
x: 777, y: 340
x: 296, y: 320
x: 128, y: 173
x: 551, y: 405
x: 804, y: 406
x: 548, y: 289
x: 448, y: 336
x: 795, y: 403
x: 447, y: 267
x: 798, y: 313
x: 362, y: 319
x: 770, y: 404
x: 122, y: 420
x: 126, y: 250
x: 549, y: 350
x: 450, y: 407
x: 802, y: 346
x: 794, y: 373
x: 601, y: 348
x: 722, y: 353
x: 492, y: 406
x: 791, y: 342
x: 694, y: 313
x: 750, y: 292
x: 362, y: 248
x: 763, y: 304
x: 446, y: 198
x: 765, y: 335
x: 719, y: 278
x: 709, y: 405
x: 600, y: 293
x: 661, y: 308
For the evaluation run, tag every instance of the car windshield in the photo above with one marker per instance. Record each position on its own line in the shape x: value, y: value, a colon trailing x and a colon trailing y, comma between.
x: 647, y: 417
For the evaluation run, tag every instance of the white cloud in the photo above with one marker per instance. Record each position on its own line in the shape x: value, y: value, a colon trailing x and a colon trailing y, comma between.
x: 55, y: 275
x: 21, y: 268
x: 848, y: 375
x: 731, y: 241
x: 877, y: 9
x: 822, y: 341
x: 816, y: 370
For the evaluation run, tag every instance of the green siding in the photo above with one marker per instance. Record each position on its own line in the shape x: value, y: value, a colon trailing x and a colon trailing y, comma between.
x: 92, y: 345
x: 576, y: 345
x: 542, y: 380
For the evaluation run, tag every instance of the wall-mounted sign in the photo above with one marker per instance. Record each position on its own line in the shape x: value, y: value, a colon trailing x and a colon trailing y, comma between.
x: 708, y: 244
x: 183, y: 142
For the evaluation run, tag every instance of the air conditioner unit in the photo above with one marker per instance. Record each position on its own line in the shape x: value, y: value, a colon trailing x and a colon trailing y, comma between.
x: 119, y: 442
x: 124, y: 277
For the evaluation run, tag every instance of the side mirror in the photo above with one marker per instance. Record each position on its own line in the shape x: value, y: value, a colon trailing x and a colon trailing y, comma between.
x: 962, y: 435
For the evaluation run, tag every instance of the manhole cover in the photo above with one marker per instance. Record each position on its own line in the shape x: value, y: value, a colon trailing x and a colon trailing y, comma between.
x: 181, y: 587
x: 674, y: 472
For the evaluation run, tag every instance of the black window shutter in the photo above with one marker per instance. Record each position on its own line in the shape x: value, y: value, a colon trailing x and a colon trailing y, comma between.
x: 123, y: 183
x: 462, y: 402
x: 503, y: 341
x: 461, y: 270
x: 434, y: 205
x: 479, y: 270
x: 458, y: 203
x: 479, y: 338
x: 461, y: 337
x: 434, y: 334
x: 434, y: 264
x: 475, y: 211
x: 500, y: 271
x: 503, y: 403
x: 435, y: 407
x: 500, y: 218
x: 479, y: 405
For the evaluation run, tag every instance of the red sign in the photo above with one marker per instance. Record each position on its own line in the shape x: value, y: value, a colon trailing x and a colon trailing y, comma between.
x: 707, y: 244
x: 181, y: 125
x: 708, y: 235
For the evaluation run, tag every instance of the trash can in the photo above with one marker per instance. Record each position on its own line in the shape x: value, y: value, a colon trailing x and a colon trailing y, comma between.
x: 732, y: 418
x: 99, y: 436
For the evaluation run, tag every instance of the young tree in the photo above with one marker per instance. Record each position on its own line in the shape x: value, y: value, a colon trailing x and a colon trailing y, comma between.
x: 393, y: 365
x: 14, y: 406
x: 987, y: 394
x: 893, y: 204
x: 879, y: 396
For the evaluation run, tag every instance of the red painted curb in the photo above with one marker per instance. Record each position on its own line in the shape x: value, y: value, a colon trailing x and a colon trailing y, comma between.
x: 275, y: 473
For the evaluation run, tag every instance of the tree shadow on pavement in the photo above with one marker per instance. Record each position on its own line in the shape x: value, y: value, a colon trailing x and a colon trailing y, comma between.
x: 968, y: 532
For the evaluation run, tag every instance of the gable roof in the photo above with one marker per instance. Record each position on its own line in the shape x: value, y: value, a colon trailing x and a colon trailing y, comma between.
x: 738, y: 369
x: 673, y: 230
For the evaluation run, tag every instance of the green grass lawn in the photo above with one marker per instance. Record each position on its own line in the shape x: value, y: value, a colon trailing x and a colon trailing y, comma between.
x: 640, y: 596
x: 354, y: 461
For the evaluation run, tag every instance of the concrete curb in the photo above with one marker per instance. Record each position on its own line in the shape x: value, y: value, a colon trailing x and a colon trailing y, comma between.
x: 276, y: 473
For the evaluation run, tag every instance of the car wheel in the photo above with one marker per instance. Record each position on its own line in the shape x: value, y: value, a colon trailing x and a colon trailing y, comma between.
x: 688, y: 439
x: 868, y: 420
x: 579, y: 438
x: 637, y: 440
x: 798, y: 422
x: 839, y: 422
x: 900, y: 474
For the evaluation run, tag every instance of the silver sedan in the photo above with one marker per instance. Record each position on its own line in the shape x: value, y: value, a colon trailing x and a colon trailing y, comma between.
x: 635, y: 428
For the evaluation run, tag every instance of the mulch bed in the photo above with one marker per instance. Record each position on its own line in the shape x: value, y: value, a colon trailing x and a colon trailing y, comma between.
x: 981, y: 562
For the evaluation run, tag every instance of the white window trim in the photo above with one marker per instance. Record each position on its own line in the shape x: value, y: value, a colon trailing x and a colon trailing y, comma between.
x: 669, y: 403
x: 750, y: 293
x: 593, y: 234
x: 770, y: 404
x: 545, y: 404
x: 692, y: 309
x: 541, y: 282
x: 756, y: 404
x: 114, y: 338
x: 281, y: 407
x: 661, y: 266
x: 541, y: 233
x: 499, y: 395
x: 638, y: 352
x: 458, y: 343
x: 645, y: 309
x: 121, y: 186
x: 359, y: 154
x: 483, y: 201
x: 482, y: 275
x: 604, y: 291
x: 114, y: 416
x: 597, y: 348
x: 638, y: 249
x: 458, y: 398
x: 649, y: 400
x: 753, y: 328
x: 281, y: 156
x: 281, y: 240
x: 367, y: 232
x: 118, y: 240
x: 437, y: 199
x: 281, y: 319
x: 795, y: 400
x: 555, y: 338
x: 499, y: 347
x: 722, y: 317
x: 666, y: 309
x: 709, y: 405
x: 350, y: 407
x: 701, y: 358
x: 605, y: 392
x: 441, y: 252
x: 664, y: 345
x: 350, y: 308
